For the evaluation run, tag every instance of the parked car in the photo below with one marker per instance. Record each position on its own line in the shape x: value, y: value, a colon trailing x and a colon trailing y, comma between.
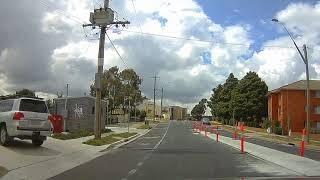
x: 205, y: 121
x: 24, y: 118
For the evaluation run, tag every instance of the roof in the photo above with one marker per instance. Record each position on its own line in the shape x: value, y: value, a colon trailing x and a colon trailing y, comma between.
x: 298, y: 85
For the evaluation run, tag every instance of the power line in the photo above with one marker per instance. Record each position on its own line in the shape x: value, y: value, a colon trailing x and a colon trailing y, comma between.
x: 114, y: 47
x: 206, y: 41
x: 136, y: 14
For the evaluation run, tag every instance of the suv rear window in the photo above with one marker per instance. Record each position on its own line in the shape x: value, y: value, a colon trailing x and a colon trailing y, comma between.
x: 33, y: 106
x: 6, y: 105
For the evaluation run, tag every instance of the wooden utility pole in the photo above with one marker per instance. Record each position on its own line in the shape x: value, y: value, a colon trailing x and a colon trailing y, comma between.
x: 101, y: 17
x: 161, y: 103
x: 154, y: 97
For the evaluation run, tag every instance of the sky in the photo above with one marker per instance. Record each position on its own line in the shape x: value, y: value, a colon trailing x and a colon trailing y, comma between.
x: 43, y: 45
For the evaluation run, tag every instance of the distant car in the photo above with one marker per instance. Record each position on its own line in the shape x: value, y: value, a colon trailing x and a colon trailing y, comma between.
x: 205, y: 121
x: 24, y: 118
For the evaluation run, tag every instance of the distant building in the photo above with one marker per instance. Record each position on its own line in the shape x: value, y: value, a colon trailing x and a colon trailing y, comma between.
x: 177, y: 113
x: 148, y: 107
x: 287, y: 104
x: 78, y: 112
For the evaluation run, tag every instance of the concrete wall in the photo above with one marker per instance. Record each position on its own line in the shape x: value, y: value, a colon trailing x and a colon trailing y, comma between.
x: 80, y: 112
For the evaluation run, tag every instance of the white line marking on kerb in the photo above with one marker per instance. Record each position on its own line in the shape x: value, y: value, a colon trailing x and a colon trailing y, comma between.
x: 157, y: 145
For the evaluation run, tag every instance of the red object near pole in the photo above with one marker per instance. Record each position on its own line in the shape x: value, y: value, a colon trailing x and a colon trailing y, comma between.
x: 302, y: 148
x: 57, y: 123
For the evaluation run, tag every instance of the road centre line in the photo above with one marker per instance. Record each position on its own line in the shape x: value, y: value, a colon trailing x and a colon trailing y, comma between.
x: 157, y: 145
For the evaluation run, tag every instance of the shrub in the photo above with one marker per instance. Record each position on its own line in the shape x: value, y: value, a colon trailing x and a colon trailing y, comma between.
x: 277, y: 128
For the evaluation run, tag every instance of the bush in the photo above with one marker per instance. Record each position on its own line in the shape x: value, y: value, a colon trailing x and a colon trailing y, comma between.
x: 266, y: 123
x: 277, y: 128
x: 77, y: 134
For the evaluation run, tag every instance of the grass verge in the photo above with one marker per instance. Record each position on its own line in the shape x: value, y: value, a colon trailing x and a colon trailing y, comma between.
x: 109, y: 139
x: 144, y: 126
x: 77, y: 134
x: 3, y: 171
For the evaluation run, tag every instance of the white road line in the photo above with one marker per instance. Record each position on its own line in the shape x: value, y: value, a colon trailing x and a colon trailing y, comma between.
x: 157, y: 145
x: 140, y: 164
x: 132, y: 172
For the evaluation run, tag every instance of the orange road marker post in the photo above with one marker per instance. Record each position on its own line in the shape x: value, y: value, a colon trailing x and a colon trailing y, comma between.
x: 302, y: 148
x: 242, y: 138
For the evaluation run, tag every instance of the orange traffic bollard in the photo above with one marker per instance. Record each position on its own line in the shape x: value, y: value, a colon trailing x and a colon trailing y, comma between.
x: 302, y: 142
x: 217, y: 132
x: 242, y: 139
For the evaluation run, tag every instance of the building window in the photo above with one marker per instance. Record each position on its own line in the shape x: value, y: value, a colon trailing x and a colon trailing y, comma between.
x: 92, y: 112
x: 317, y: 94
x: 317, y: 110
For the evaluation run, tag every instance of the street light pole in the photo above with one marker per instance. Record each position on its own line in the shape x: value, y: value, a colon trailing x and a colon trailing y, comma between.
x: 308, y: 91
x: 305, y: 60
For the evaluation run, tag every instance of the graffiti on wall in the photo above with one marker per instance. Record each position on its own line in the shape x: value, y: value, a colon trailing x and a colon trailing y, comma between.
x: 78, y: 112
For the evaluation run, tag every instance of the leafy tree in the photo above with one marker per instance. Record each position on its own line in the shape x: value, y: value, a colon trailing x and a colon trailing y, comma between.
x: 225, y: 109
x: 117, y: 85
x: 25, y: 93
x: 214, y: 100
x: 249, y: 98
x: 199, y: 109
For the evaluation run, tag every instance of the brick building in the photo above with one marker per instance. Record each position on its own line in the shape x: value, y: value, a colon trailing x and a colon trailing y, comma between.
x: 177, y: 113
x: 287, y: 104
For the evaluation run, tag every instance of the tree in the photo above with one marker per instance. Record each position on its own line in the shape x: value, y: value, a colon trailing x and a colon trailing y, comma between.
x: 116, y: 86
x: 199, y: 109
x: 225, y: 109
x: 25, y: 93
x: 249, y: 98
x: 214, y: 100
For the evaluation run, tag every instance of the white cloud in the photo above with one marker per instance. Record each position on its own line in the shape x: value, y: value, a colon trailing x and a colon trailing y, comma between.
x: 73, y: 58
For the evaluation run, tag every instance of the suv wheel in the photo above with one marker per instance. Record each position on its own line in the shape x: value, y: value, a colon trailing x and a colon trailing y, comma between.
x: 37, y: 142
x: 4, y: 138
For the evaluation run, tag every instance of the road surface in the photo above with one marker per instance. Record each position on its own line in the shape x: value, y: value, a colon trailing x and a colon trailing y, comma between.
x: 172, y: 151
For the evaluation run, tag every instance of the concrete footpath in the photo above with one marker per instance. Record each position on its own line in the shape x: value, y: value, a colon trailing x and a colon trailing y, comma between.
x: 302, y: 165
x: 24, y: 161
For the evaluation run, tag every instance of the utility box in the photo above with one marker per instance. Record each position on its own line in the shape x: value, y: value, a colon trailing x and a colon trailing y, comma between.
x: 102, y: 17
x: 79, y: 112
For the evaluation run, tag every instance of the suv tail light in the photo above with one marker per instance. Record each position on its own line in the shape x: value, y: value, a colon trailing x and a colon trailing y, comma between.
x: 18, y: 116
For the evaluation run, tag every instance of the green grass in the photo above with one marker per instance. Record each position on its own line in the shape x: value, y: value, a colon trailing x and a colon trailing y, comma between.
x: 144, y: 126
x: 109, y: 139
x: 77, y: 134
x: 3, y: 171
x: 124, y: 135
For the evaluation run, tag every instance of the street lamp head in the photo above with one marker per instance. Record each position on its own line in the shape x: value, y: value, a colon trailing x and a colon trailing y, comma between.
x: 275, y: 20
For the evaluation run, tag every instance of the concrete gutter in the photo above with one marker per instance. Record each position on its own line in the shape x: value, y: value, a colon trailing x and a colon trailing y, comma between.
x: 301, y: 165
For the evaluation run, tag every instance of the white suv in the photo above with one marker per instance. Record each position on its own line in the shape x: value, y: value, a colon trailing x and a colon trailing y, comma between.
x: 24, y: 118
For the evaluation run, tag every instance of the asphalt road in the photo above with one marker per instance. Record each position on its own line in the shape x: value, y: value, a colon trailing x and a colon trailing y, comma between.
x: 173, y: 151
x: 292, y: 149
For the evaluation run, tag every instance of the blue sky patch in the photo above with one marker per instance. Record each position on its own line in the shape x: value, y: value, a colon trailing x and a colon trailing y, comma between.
x: 206, y: 58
